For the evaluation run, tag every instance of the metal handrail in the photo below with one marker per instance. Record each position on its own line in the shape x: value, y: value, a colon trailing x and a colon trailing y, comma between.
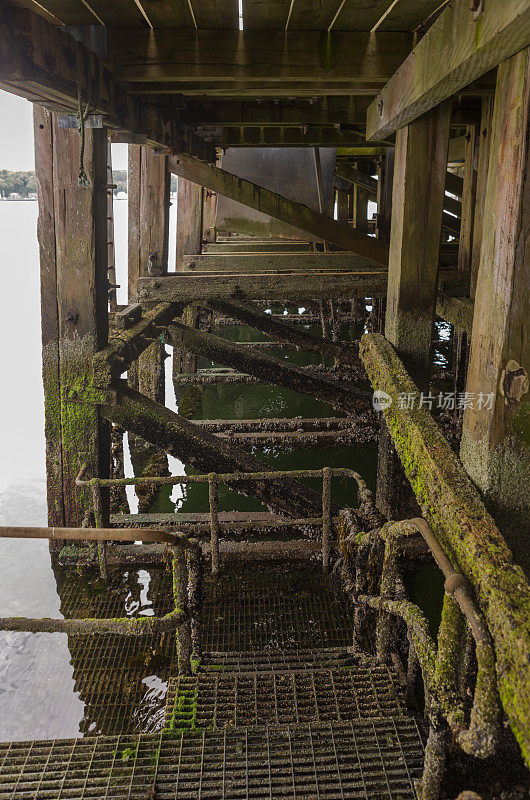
x: 213, y: 479
x: 183, y: 618
x: 436, y: 661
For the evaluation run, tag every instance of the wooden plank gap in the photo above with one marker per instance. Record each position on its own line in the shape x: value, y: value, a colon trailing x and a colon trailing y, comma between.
x: 335, y: 18
x: 384, y: 16
x: 142, y: 12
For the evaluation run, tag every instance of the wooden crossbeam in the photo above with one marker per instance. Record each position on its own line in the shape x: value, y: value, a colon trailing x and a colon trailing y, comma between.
x: 206, y: 452
x: 279, y: 207
x: 322, y: 111
x: 341, y: 396
x: 184, y: 288
x: 126, y: 345
x: 46, y: 65
x: 247, y: 263
x: 288, y: 136
x: 357, y: 178
x: 258, y: 63
x: 456, y: 310
x: 284, y: 332
x: 456, y: 50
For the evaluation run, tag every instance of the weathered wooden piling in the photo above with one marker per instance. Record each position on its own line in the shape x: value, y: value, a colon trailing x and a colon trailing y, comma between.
x: 72, y: 233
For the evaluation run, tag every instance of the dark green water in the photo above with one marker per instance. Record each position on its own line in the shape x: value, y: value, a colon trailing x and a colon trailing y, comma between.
x: 264, y: 401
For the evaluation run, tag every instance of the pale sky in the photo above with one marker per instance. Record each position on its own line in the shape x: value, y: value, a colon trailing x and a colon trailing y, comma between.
x: 16, y: 136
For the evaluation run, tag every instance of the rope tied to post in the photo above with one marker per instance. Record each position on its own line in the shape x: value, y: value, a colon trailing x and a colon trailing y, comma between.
x: 82, y: 178
x: 81, y: 116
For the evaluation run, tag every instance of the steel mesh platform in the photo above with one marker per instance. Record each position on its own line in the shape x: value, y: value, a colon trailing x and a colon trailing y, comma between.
x: 216, y: 700
x: 376, y: 760
x: 274, y: 609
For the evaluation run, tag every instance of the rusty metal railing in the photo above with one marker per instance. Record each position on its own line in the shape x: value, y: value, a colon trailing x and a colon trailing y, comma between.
x: 187, y: 573
x: 445, y: 665
x: 213, y: 480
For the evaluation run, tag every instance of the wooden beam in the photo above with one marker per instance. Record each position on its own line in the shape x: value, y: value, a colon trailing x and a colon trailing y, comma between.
x: 481, y: 185
x: 123, y: 349
x: 47, y: 65
x: 457, y: 49
x: 283, y: 332
x: 278, y: 207
x: 341, y: 396
x: 458, y: 311
x: 287, y: 136
x: 468, y: 201
x: 495, y: 445
x: 247, y: 263
x: 455, y: 512
x: 342, y: 200
x: 148, y: 210
x: 209, y: 214
x: 317, y: 111
x: 357, y: 178
x: 206, y: 452
x: 309, y: 285
x: 419, y: 179
x: 73, y: 249
x: 189, y: 219
x: 257, y: 62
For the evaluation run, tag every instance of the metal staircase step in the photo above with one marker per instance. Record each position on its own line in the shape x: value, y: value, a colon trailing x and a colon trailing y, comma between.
x: 364, y: 760
x: 278, y: 660
x: 219, y: 699
x: 376, y: 760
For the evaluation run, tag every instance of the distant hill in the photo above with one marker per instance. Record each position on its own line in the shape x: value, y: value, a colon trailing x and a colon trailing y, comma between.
x: 24, y: 183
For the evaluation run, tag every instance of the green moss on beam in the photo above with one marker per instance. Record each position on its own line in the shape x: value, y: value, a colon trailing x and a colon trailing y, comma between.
x: 454, y: 510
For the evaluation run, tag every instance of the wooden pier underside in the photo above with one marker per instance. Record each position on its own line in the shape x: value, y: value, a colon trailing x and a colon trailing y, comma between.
x: 401, y: 198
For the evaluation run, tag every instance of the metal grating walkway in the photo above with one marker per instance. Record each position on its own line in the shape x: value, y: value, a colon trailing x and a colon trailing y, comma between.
x: 279, y: 708
x: 375, y: 760
x: 216, y: 700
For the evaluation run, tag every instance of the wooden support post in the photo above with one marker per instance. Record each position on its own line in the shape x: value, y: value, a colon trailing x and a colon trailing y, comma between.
x: 214, y: 523
x: 181, y: 600
x: 72, y: 232
x: 342, y: 206
x: 468, y: 202
x: 326, y: 519
x: 209, y: 211
x: 360, y: 208
x: 190, y: 206
x: 184, y: 362
x: 148, y: 186
x: 148, y: 189
x: 383, y: 221
x: 419, y: 180
x: 111, y: 254
x: 481, y: 184
x: 189, y: 219
x: 495, y: 445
